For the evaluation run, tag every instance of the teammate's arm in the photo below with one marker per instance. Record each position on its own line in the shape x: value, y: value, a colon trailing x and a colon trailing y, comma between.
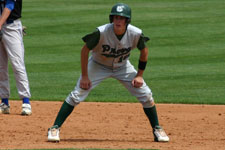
x: 85, y: 83
x: 6, y: 11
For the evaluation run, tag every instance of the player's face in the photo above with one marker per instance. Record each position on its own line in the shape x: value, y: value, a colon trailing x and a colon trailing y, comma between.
x: 119, y: 24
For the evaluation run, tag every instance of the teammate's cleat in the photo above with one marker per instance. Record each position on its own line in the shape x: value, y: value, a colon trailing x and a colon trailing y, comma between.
x: 53, y: 134
x: 160, y: 135
x: 26, y: 109
x: 4, y: 109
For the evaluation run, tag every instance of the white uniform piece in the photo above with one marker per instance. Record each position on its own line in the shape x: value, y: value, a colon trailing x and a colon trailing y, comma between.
x: 109, y: 59
x: 12, y: 49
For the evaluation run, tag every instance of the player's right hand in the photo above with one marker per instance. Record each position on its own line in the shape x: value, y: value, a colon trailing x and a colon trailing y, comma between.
x: 85, y: 83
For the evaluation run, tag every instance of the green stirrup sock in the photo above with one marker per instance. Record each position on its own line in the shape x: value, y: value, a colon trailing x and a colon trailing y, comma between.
x: 64, y: 112
x: 151, y: 113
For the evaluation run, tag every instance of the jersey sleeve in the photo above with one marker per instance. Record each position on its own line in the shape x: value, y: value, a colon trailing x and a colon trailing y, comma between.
x: 142, y: 41
x: 92, y: 39
x: 10, y: 4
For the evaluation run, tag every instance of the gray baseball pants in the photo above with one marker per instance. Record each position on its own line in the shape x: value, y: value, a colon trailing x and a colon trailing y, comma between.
x: 12, y: 49
x: 125, y: 75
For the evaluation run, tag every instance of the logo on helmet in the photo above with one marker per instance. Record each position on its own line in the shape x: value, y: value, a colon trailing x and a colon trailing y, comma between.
x: 119, y: 8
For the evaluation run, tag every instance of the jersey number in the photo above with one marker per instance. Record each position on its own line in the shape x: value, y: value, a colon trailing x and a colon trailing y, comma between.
x: 123, y: 58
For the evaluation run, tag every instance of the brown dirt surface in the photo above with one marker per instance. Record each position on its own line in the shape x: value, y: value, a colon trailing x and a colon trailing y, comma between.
x: 114, y: 126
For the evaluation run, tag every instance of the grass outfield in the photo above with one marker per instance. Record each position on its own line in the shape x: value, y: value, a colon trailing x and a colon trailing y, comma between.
x: 187, y: 50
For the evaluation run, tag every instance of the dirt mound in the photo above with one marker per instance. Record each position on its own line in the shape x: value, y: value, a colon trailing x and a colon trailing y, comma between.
x: 114, y: 126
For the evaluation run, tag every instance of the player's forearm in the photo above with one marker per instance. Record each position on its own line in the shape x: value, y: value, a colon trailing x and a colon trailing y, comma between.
x: 143, y: 58
x: 84, y: 60
x: 5, y: 14
x: 140, y: 73
x: 144, y: 55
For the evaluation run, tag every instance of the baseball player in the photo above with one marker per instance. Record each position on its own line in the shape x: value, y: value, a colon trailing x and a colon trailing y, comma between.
x: 110, y: 46
x: 12, y: 49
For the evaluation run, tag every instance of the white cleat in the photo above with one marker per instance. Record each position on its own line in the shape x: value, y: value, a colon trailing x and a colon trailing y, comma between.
x: 26, y: 109
x: 160, y: 135
x: 4, y: 109
x: 53, y: 134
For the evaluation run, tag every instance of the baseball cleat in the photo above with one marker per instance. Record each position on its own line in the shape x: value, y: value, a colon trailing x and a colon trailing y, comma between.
x: 53, y: 134
x: 160, y: 135
x: 4, y: 109
x: 26, y: 109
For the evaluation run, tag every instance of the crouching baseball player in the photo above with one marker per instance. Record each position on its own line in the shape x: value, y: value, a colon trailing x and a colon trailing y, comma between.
x: 12, y: 49
x: 110, y: 46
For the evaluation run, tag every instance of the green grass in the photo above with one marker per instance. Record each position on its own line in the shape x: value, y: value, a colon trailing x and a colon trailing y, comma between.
x: 187, y: 50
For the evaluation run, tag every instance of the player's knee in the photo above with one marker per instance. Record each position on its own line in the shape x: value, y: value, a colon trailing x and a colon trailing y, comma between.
x: 72, y: 102
x: 148, y: 103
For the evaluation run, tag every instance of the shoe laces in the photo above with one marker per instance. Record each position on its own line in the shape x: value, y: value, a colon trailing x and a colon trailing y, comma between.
x: 3, y: 105
x: 54, y: 131
x: 161, y: 132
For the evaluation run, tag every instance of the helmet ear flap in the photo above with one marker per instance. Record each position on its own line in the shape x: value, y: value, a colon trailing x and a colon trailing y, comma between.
x: 128, y: 20
x: 111, y: 18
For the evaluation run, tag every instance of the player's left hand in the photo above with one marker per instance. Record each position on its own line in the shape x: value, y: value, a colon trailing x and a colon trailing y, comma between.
x: 137, y: 81
x: 24, y: 30
x: 85, y: 83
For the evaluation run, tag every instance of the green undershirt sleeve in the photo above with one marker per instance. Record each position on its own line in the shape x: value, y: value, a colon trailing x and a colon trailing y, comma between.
x: 142, y: 42
x: 92, y: 39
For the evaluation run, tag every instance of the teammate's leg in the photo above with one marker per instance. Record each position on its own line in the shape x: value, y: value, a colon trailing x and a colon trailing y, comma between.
x: 4, y: 81
x: 13, y: 43
x: 4, y: 77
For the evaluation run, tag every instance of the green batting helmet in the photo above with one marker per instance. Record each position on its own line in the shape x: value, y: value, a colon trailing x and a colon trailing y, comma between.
x: 120, y: 9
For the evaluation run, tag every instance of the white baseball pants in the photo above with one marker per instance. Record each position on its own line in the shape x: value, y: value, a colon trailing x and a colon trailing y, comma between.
x: 12, y: 49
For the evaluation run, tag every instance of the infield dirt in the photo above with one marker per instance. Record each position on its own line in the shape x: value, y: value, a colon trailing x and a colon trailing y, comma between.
x: 115, y: 126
